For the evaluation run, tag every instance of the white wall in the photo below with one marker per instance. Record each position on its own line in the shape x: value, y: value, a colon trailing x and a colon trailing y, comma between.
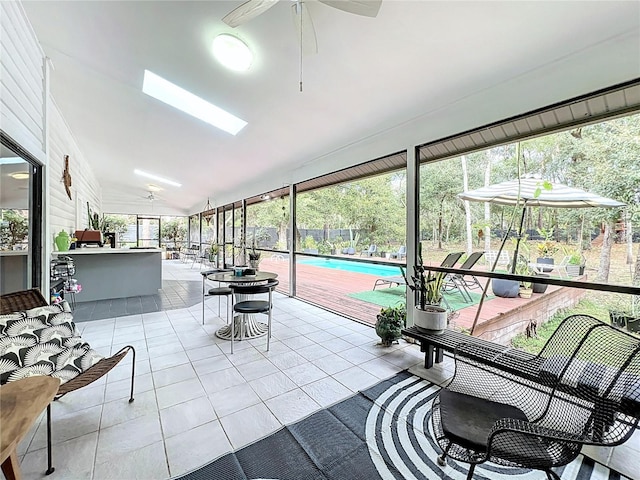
x: 22, y: 82
x: 32, y: 119
x: 64, y: 213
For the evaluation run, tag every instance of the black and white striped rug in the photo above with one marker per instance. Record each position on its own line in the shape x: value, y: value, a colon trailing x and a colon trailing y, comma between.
x: 380, y: 433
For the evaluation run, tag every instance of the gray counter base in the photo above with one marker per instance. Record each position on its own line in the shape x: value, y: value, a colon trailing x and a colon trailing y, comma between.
x: 117, y: 275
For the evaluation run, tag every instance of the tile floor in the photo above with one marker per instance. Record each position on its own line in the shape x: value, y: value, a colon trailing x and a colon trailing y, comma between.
x: 194, y: 401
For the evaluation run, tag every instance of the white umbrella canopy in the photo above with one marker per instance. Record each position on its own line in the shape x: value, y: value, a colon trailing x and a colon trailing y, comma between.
x: 530, y: 192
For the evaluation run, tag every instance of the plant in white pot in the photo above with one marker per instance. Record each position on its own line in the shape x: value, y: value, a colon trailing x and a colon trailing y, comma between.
x: 427, y: 286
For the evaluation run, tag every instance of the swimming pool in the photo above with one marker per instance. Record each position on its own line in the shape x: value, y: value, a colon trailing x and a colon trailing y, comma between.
x: 370, y: 269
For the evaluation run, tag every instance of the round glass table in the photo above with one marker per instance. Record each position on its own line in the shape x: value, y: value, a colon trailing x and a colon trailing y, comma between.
x: 251, y: 328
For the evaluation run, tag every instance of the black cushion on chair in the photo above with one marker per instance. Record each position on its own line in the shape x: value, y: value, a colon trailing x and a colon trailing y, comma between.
x: 252, y: 306
x: 220, y: 291
x: 468, y: 420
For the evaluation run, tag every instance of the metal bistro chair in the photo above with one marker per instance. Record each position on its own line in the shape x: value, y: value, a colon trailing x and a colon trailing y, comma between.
x: 582, y: 389
x: 251, y: 306
x: 218, y: 291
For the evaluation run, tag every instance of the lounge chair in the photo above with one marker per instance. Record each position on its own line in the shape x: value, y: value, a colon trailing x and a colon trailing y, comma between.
x: 466, y: 281
x: 369, y: 252
x: 389, y: 281
x: 401, y: 253
x: 28, y: 325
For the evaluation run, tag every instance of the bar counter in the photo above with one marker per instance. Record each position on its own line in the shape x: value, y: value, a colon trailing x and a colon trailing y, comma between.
x: 107, y: 273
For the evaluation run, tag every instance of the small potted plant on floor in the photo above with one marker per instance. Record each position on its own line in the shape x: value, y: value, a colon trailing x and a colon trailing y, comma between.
x: 389, y: 323
x: 427, y: 286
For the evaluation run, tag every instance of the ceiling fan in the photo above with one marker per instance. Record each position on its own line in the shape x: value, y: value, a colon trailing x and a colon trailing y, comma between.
x: 302, y: 19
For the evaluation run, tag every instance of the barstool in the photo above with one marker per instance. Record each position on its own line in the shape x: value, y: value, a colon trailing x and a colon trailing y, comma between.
x: 248, y: 307
x: 215, y: 291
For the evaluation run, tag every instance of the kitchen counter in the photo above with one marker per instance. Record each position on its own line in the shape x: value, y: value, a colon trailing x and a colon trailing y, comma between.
x: 108, y: 273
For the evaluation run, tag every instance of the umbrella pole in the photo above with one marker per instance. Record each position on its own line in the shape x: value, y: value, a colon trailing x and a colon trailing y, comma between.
x: 515, y: 254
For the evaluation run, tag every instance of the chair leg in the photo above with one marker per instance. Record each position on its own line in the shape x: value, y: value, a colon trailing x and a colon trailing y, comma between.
x: 471, y: 469
x: 50, y: 468
x: 551, y: 475
x: 133, y: 371
x: 233, y: 333
x: 269, y: 321
x: 203, y: 300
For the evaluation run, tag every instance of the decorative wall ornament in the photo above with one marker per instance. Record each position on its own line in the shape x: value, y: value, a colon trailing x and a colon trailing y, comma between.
x: 66, y: 177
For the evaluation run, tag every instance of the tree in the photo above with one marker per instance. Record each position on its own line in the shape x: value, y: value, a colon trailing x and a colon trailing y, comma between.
x: 14, y: 229
x: 173, y: 231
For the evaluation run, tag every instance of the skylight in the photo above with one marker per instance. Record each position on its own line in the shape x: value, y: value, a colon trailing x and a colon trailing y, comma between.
x: 165, y: 91
x: 157, y: 178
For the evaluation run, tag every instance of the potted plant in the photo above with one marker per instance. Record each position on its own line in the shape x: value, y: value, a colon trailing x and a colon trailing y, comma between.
x: 389, y: 323
x: 625, y: 314
x: 546, y: 249
x: 254, y: 258
x: 213, y: 253
x: 525, y: 290
x: 427, y: 286
x: 575, y: 263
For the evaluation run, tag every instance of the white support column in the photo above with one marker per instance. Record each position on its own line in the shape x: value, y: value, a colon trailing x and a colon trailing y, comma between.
x: 413, y: 221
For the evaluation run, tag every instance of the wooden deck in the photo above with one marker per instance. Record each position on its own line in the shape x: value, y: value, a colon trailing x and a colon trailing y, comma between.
x: 329, y: 288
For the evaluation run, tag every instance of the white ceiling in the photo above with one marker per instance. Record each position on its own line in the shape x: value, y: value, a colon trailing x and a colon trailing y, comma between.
x: 419, y: 71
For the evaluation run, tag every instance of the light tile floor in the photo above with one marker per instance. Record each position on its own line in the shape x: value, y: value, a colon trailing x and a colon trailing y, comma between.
x: 194, y: 401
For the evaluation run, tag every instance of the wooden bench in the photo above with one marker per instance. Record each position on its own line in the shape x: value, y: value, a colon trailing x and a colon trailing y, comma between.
x: 434, y: 345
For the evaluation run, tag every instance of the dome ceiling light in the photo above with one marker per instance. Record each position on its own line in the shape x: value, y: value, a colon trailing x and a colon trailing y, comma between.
x: 232, y: 52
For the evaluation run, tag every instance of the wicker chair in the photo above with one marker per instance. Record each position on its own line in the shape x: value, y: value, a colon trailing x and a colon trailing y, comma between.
x: 28, y: 299
x: 583, y: 389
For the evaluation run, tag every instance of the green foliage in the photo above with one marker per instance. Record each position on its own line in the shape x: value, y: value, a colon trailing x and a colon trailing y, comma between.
x: 575, y: 257
x: 14, y: 229
x: 95, y: 221
x: 427, y: 285
x: 173, y: 231
x: 547, y: 249
x: 389, y: 323
x: 309, y: 243
x: 115, y: 224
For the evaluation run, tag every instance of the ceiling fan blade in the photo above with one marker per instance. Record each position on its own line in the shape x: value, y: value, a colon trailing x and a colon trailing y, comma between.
x: 247, y: 11
x: 300, y: 12
x: 368, y: 8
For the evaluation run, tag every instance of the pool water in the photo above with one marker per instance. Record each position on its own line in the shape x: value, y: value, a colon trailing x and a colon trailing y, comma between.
x: 377, y: 270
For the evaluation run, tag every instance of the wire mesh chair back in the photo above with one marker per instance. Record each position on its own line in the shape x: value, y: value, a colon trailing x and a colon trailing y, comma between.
x: 582, y: 389
x: 603, y: 374
x: 266, y: 287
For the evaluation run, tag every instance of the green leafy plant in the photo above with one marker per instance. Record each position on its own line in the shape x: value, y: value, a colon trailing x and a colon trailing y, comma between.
x: 426, y: 285
x: 254, y: 255
x: 14, y: 229
x: 547, y: 249
x: 575, y: 256
x: 95, y: 221
x: 522, y: 268
x: 389, y: 323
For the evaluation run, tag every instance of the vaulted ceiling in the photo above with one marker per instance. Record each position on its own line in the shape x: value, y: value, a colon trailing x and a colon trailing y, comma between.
x: 418, y: 71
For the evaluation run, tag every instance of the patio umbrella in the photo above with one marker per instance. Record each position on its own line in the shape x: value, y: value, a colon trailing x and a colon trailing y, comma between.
x: 530, y: 192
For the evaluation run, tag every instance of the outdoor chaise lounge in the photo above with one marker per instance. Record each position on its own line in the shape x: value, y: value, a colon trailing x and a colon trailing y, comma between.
x: 389, y: 281
x: 41, y: 339
x: 463, y: 282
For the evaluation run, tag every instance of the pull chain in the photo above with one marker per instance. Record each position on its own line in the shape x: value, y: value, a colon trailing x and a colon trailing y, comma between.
x: 300, y: 13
